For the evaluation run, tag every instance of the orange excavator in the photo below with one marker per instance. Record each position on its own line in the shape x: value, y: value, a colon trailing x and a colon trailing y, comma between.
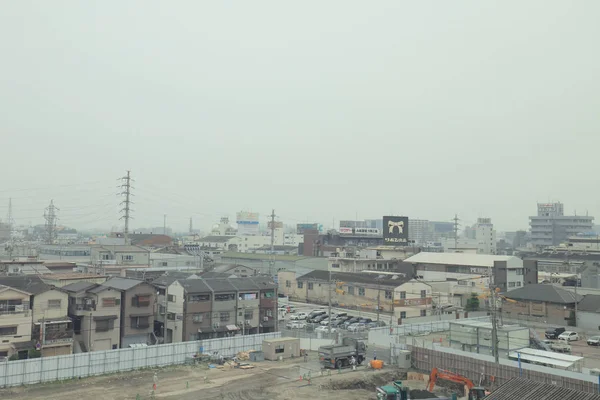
x: 475, y: 392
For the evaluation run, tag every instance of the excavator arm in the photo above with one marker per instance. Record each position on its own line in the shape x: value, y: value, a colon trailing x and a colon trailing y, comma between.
x: 448, y: 376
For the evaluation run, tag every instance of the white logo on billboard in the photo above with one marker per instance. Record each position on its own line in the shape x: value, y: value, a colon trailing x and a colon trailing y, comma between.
x: 396, y: 224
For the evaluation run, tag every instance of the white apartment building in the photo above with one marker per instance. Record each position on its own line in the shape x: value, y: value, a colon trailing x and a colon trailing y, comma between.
x: 485, y: 236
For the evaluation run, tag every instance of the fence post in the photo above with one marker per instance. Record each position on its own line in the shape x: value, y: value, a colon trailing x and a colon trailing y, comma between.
x: 104, y: 366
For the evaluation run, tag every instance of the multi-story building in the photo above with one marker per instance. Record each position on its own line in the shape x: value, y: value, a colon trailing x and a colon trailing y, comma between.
x: 120, y: 255
x: 15, y: 323
x: 52, y: 329
x: 551, y: 227
x: 171, y: 304
x: 197, y: 310
x: 485, y: 236
x: 419, y: 231
x: 137, y: 310
x: 96, y: 314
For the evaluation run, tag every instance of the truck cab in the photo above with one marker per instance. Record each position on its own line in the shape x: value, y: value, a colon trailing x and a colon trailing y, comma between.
x: 387, y: 392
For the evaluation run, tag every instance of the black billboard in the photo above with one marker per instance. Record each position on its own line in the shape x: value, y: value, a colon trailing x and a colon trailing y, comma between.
x: 395, y: 230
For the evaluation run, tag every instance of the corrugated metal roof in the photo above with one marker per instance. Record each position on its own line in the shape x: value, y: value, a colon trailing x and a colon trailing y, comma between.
x: 541, y: 292
x: 590, y: 303
x: 525, y: 389
x: 355, y: 277
x: 220, y: 285
x: 195, y: 286
x: 243, y: 284
x: 466, y: 259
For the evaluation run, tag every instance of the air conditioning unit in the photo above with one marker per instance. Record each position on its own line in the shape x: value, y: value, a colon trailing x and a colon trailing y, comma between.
x: 265, y: 318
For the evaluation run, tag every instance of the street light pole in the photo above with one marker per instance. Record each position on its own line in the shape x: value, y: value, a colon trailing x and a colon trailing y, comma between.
x: 329, y: 314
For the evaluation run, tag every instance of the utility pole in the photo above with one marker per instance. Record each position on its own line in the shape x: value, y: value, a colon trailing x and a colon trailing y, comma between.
x: 329, y: 312
x: 456, y: 225
x: 495, y: 341
x: 272, y: 261
x: 164, y: 224
x: 10, y: 222
x: 50, y: 217
x: 126, y: 210
x: 378, y: 298
x: 191, y: 229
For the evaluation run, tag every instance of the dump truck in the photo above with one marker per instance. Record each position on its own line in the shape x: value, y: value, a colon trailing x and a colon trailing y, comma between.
x: 395, y: 391
x: 339, y: 355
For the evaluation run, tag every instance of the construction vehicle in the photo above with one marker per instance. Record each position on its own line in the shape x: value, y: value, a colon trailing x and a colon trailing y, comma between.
x: 392, y: 392
x: 474, y: 392
x: 339, y: 355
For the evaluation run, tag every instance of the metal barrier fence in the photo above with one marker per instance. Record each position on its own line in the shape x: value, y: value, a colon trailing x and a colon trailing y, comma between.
x: 48, y: 369
x: 482, y: 369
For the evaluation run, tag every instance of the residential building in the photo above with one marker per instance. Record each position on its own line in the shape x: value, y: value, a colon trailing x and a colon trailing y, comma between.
x: 52, y: 329
x: 137, y: 310
x: 474, y: 272
x: 224, y: 307
x: 223, y: 228
x: 267, y: 314
x: 25, y: 266
x: 248, y: 305
x: 15, y: 323
x: 360, y: 291
x: 279, y: 249
x: 171, y: 306
x: 197, y: 311
x: 96, y: 314
x: 588, y: 313
x: 240, y: 271
x: 167, y: 260
x: 120, y: 255
x: 545, y: 303
x: 551, y: 227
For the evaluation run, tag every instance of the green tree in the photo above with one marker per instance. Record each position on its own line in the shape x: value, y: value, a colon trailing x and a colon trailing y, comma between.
x: 473, y: 303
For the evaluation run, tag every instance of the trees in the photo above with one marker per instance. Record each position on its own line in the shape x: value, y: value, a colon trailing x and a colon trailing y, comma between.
x: 473, y: 303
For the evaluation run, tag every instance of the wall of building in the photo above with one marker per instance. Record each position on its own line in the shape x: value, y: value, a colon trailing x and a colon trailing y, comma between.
x: 51, y: 304
x: 129, y: 332
x: 554, y: 314
x: 176, y: 294
x: 21, y: 320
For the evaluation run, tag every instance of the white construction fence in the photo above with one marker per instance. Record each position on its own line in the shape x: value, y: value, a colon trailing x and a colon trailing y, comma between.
x: 49, y: 369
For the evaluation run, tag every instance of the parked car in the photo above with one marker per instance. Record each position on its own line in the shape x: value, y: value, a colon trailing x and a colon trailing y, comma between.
x: 325, y: 329
x: 299, y: 316
x: 350, y: 322
x: 560, y: 347
x: 593, y: 341
x: 553, y: 333
x: 357, y: 327
x: 365, y: 320
x: 569, y: 336
x: 326, y: 321
x: 320, y: 318
x: 310, y: 327
x: 312, y: 316
x: 295, y: 325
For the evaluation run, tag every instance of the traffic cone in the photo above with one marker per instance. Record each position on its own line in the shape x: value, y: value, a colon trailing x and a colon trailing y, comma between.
x: 154, y: 387
x: 300, y: 377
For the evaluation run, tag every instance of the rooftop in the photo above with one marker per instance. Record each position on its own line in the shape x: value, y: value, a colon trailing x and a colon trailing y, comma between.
x: 356, y: 277
x: 122, y: 283
x: 590, y: 303
x: 216, y: 239
x: 121, y: 249
x: 471, y: 260
x: 525, y: 389
x: 541, y: 292
x: 32, y: 284
x: 77, y: 287
x: 70, y: 276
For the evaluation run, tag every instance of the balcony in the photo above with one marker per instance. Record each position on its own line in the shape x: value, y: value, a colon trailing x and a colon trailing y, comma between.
x: 15, y: 313
x: 55, y: 332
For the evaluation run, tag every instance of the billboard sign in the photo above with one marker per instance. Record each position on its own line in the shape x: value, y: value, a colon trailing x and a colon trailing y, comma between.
x: 346, y: 231
x: 278, y: 224
x: 395, y: 230
x: 301, y: 228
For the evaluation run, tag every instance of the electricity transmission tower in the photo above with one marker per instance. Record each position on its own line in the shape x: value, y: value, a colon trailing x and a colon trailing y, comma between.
x: 456, y: 225
x: 272, y: 226
x: 51, y: 218
x: 126, y: 210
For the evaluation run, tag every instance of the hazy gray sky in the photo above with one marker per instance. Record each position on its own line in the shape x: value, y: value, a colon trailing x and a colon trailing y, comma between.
x: 319, y: 109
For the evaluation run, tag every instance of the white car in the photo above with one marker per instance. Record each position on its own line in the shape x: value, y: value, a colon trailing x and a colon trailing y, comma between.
x: 299, y: 316
x: 325, y: 329
x: 295, y: 325
x: 569, y: 336
x: 357, y: 327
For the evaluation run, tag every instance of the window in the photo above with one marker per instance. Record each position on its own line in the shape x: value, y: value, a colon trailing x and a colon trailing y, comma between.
x: 106, y: 256
x: 162, y: 309
x: 388, y: 294
x: 197, y: 318
x: 141, y: 300
x: 336, y: 266
x: 279, y: 349
x: 105, y: 325
x: 164, y: 264
x: 361, y: 291
x: 224, y: 316
x: 12, y: 306
x: 403, y: 295
x: 511, y: 284
x: 111, y: 302
x: 171, y: 316
x: 402, y: 314
x: 171, y: 298
x: 8, y: 330
x: 310, y: 285
x: 423, y: 294
x: 300, y: 284
x: 140, y: 322
x: 288, y: 284
x: 127, y: 258
x: 54, y: 303
x: 248, y: 314
x: 423, y: 313
x: 268, y: 295
x: 518, y: 283
x: 351, y: 290
x: 520, y: 271
x: 197, y: 298
x: 224, y: 297
x: 269, y: 313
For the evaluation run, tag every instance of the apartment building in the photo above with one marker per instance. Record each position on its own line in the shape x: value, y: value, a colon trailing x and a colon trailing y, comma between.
x: 52, y: 329
x: 138, y: 300
x: 15, y: 323
x: 223, y: 307
x: 96, y: 314
x: 120, y: 255
x: 170, y: 301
